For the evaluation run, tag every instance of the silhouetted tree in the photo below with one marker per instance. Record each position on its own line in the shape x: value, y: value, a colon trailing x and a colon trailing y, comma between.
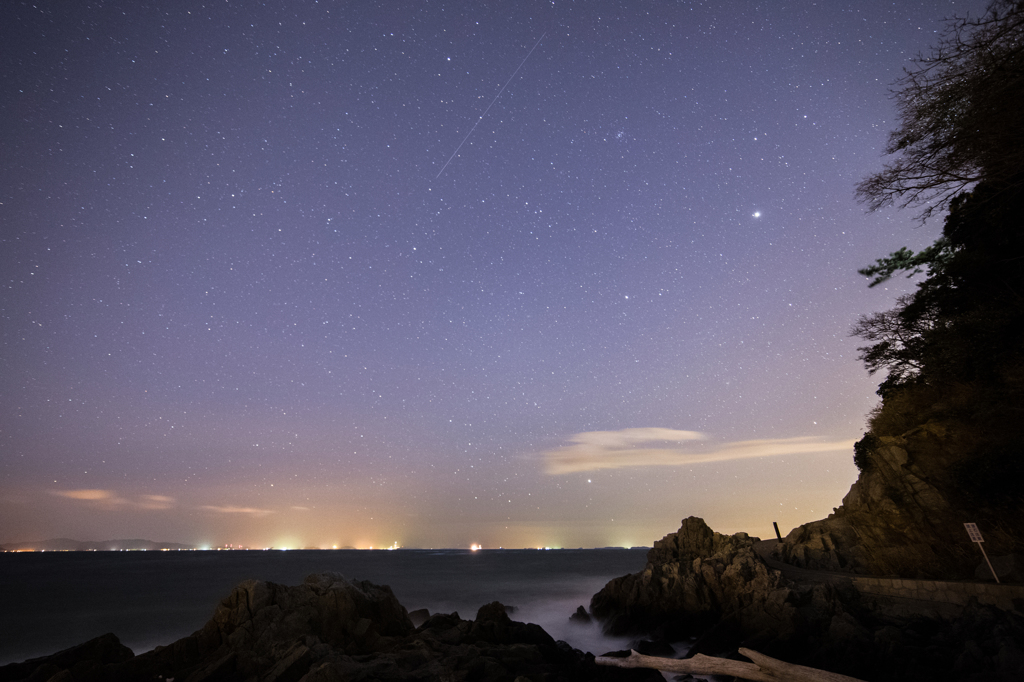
x: 965, y: 321
x: 907, y: 261
x: 898, y: 338
x: 960, y: 141
x: 960, y: 111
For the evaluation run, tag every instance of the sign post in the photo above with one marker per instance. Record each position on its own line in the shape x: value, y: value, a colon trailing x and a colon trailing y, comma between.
x: 975, y: 535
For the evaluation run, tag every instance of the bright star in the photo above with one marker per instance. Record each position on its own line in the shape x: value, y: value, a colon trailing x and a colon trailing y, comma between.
x: 757, y: 214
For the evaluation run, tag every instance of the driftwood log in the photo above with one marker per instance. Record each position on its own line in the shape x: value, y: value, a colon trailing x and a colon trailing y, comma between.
x: 763, y: 669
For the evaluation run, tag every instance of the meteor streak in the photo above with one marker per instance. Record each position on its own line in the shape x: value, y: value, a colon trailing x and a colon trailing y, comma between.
x: 491, y: 104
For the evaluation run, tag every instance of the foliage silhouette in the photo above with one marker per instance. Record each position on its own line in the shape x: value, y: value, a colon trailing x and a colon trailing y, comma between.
x: 959, y: 115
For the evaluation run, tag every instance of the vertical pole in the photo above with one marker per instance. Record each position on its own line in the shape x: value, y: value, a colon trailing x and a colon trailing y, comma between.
x: 975, y: 535
x: 777, y: 533
x: 989, y: 563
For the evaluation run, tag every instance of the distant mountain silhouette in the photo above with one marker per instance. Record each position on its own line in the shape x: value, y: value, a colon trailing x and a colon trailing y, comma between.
x: 69, y: 545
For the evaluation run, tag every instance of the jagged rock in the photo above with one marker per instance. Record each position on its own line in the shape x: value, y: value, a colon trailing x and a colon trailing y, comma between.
x: 330, y: 629
x: 419, y: 617
x: 86, y: 660
x: 693, y: 578
x: 698, y: 582
x: 904, y: 516
x: 493, y: 647
x: 581, y: 617
x: 272, y: 631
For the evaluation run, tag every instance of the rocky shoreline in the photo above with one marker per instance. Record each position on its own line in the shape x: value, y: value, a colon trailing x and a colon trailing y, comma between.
x: 330, y: 629
x: 718, y: 592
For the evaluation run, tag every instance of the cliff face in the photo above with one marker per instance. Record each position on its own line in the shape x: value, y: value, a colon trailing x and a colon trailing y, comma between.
x: 698, y: 583
x: 905, y: 514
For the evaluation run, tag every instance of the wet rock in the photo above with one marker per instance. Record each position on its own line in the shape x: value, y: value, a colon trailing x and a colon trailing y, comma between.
x: 330, y: 629
x: 693, y: 578
x: 697, y: 582
x: 87, y: 660
x: 648, y: 647
x: 581, y: 617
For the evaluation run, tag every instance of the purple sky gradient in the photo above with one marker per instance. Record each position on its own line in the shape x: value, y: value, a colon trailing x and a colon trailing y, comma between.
x: 239, y: 304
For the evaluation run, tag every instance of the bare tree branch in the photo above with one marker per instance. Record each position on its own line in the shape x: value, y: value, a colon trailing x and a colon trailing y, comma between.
x: 959, y: 112
x: 898, y: 337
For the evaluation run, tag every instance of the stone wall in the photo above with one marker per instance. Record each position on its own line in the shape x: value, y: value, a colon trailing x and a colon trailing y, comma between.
x: 959, y: 593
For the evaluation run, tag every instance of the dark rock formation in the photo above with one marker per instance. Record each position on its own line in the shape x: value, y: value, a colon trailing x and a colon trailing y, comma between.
x: 715, y: 587
x: 905, y: 514
x: 419, y: 617
x: 331, y: 629
x: 83, y: 661
x: 692, y: 579
x: 581, y: 617
x: 651, y: 648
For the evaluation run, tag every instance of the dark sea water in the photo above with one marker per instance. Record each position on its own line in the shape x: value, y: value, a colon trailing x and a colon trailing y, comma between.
x: 50, y: 601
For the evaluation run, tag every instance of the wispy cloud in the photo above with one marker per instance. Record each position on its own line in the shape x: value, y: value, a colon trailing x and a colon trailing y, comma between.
x: 112, y: 501
x: 109, y: 499
x: 593, y: 450
x: 156, y: 502
x: 252, y: 511
x: 86, y: 494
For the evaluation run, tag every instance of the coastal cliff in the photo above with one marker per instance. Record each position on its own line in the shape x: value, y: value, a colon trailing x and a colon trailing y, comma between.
x: 693, y: 578
x: 905, y: 514
x: 699, y: 583
x: 718, y: 592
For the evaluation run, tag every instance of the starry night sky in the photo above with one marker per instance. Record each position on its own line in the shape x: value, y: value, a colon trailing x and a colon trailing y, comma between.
x: 244, y: 300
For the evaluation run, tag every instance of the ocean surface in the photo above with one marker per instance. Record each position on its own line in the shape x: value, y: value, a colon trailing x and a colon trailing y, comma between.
x: 53, y: 600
